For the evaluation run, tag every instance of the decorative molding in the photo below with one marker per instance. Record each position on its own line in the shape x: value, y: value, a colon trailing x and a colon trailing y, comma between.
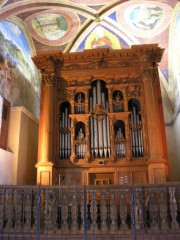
x: 25, y: 111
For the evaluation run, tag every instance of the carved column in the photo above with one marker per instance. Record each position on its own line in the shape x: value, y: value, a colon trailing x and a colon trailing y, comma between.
x: 87, y: 155
x: 45, y: 165
x: 154, y: 121
x: 110, y: 92
x: 73, y: 154
x: 113, y: 155
x: 87, y: 101
x: 128, y: 144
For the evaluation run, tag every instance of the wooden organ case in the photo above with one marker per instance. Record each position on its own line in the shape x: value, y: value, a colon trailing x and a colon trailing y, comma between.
x: 101, y: 117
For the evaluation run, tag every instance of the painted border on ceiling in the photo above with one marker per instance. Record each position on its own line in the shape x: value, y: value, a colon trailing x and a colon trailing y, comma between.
x: 92, y: 2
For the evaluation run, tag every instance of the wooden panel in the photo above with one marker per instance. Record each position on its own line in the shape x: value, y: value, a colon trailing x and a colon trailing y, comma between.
x: 5, y: 124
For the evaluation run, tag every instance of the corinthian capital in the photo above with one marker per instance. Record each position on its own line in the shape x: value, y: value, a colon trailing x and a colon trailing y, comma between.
x: 48, y: 79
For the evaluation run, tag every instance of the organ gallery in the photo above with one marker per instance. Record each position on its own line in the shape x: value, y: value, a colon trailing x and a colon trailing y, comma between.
x: 101, y: 117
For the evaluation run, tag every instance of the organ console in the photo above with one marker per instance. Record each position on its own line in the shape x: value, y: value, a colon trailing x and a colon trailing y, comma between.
x: 105, y: 109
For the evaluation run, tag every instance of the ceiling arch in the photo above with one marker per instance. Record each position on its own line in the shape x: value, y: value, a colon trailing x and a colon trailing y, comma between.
x: 73, y: 25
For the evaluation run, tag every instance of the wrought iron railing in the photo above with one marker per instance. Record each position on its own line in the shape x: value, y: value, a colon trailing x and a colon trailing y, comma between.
x: 89, y: 212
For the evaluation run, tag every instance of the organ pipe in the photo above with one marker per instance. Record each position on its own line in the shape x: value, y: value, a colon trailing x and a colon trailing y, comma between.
x: 65, y: 135
x: 80, y: 144
x: 136, y: 134
x: 79, y: 104
x: 99, y: 123
x: 120, y: 146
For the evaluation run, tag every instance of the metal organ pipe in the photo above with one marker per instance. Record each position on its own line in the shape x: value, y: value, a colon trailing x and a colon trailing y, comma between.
x: 80, y: 146
x: 79, y: 104
x: 136, y: 134
x: 104, y: 126
x: 65, y: 136
x: 95, y: 123
x: 120, y: 144
x: 100, y: 139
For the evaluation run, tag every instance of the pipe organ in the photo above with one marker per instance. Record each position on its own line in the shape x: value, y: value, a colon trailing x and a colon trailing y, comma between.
x: 64, y: 131
x: 102, y: 122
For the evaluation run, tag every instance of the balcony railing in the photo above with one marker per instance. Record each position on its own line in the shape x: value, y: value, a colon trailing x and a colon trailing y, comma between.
x: 89, y: 212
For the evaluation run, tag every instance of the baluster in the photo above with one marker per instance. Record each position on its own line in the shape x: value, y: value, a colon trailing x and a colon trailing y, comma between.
x: 153, y: 210
x: 27, y: 211
x: 49, y: 214
x: 138, y: 209
x: 113, y: 212
x: 36, y: 213
x: 93, y: 211
x: 173, y: 208
x: 64, y: 212
x: 163, y: 210
x: 2, y: 208
x: 74, y: 213
x: 103, y: 213
x: 123, y: 210
x: 10, y: 209
x: 18, y: 209
x: 84, y: 213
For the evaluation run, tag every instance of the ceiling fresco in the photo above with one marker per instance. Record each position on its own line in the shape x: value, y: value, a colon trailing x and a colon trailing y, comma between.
x: 144, y: 19
x: 75, y: 25
x: 53, y: 27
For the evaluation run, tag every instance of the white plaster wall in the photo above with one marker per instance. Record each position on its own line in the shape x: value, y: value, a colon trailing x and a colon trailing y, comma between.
x: 172, y: 160
x: 176, y: 134
x: 6, y: 167
x: 23, y: 142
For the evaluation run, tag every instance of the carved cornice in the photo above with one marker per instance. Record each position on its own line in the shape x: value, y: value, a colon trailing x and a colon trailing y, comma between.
x: 137, y: 56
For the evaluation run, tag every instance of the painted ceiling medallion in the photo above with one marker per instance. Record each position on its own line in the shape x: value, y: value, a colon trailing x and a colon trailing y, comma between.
x: 53, y: 27
x: 144, y: 19
x: 102, y: 38
x: 92, y: 2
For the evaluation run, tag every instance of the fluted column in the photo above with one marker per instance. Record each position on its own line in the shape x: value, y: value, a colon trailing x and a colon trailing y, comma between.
x: 44, y: 165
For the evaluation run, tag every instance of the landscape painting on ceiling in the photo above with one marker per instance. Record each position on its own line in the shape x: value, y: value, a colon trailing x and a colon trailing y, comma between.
x: 53, y: 27
x: 16, y: 49
x: 17, y: 70
x: 50, y: 26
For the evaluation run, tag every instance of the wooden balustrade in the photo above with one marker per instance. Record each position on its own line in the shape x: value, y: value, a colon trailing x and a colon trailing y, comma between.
x: 148, y: 210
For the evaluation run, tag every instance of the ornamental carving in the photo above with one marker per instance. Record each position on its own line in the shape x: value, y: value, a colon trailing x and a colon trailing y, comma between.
x: 134, y: 91
x: 48, y: 79
x: 99, y: 112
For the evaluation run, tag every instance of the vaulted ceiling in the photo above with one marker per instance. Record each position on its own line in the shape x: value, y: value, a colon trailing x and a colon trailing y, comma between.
x: 75, y: 25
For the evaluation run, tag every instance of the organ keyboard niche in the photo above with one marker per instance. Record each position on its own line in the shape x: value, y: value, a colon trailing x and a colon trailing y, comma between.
x: 101, y: 129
